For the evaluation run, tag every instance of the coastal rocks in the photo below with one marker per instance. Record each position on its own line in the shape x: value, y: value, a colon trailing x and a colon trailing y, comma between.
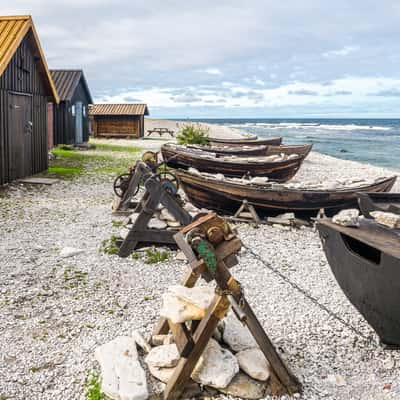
x: 216, y: 367
x: 236, y: 335
x: 70, y: 252
x: 166, y: 215
x: 141, y: 341
x: 162, y: 374
x: 156, y: 223
x: 122, y: 375
x: 259, y: 180
x: 388, y: 219
x: 182, y: 304
x: 165, y: 356
x: 254, y: 363
x: 348, y: 217
x: 244, y: 387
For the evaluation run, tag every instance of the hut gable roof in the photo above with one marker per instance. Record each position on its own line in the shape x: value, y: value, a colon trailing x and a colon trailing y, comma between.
x: 66, y: 82
x: 119, y: 109
x: 13, y: 30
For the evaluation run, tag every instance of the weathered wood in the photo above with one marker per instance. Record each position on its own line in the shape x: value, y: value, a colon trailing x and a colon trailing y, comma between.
x: 231, y: 166
x: 226, y: 196
x: 182, y: 338
x: 274, y: 141
x: 201, y: 337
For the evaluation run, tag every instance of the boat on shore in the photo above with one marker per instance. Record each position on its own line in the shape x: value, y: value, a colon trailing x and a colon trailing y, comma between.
x: 386, y: 202
x: 263, y: 150
x: 276, y: 168
x: 226, y: 195
x: 273, y: 141
x: 366, y: 264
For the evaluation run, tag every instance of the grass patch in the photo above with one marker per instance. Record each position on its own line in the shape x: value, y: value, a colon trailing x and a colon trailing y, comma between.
x: 93, y: 388
x: 116, y: 147
x: 154, y: 256
x: 116, y: 223
x: 70, y: 162
x: 109, y: 246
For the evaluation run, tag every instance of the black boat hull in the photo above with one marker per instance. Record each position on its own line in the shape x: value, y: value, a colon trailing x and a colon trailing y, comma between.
x: 387, y: 202
x: 370, y: 279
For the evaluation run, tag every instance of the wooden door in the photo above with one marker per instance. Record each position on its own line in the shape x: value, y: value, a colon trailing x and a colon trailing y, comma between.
x: 78, y: 123
x: 20, y: 128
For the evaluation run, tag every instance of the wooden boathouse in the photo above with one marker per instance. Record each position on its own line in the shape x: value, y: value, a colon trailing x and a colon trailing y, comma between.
x: 71, y: 115
x: 25, y: 89
x: 118, y: 120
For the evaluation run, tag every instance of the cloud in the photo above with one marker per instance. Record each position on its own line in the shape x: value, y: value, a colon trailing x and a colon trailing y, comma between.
x: 344, y: 51
x: 386, y: 93
x: 212, y: 71
x: 303, y: 92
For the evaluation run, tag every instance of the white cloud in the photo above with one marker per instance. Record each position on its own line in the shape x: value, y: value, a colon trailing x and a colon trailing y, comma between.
x: 212, y: 71
x: 344, y: 51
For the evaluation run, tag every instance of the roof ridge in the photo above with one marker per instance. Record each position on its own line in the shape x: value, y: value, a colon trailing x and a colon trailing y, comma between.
x: 14, y: 17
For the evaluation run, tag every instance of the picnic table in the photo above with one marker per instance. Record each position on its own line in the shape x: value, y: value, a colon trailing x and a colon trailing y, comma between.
x: 160, y: 131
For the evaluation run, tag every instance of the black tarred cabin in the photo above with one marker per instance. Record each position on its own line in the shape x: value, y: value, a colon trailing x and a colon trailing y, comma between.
x: 71, y: 115
x: 25, y: 89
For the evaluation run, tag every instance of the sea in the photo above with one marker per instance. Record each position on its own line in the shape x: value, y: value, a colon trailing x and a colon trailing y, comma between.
x: 373, y: 141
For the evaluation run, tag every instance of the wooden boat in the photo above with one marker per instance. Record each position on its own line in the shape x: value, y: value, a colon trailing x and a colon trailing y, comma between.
x: 264, y: 150
x: 389, y: 202
x: 232, y: 150
x: 226, y: 195
x: 277, y: 170
x: 273, y: 141
x: 366, y: 264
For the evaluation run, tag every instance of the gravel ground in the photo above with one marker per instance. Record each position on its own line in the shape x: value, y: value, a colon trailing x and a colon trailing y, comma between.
x: 55, y: 311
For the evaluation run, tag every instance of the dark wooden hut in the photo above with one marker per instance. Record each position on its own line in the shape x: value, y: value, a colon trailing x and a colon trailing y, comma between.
x: 25, y: 89
x: 71, y: 115
x: 118, y: 120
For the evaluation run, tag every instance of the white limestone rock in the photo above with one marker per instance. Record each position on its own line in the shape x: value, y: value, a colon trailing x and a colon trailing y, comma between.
x: 388, y: 219
x: 189, y: 207
x: 182, y: 304
x: 162, y: 374
x: 173, y: 224
x: 123, y: 378
x: 166, y: 215
x: 216, y: 367
x: 70, y: 252
x: 244, y: 387
x: 349, y: 217
x: 254, y: 363
x: 156, y: 223
x: 164, y: 356
x: 236, y: 335
x: 133, y: 217
x: 259, y: 180
x: 141, y: 341
x: 124, y: 232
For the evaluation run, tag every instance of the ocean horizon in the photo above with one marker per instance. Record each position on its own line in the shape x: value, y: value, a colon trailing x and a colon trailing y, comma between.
x: 374, y: 141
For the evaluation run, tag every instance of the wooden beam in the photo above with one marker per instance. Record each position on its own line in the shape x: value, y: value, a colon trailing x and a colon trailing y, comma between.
x: 182, y: 337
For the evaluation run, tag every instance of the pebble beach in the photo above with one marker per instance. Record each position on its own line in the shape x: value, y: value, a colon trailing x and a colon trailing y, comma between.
x: 56, y: 310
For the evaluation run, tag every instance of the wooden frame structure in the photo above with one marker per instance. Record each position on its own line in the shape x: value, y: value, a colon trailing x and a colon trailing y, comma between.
x: 210, y: 247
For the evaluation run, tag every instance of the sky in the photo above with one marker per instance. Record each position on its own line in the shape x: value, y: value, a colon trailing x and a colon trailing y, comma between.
x: 229, y: 59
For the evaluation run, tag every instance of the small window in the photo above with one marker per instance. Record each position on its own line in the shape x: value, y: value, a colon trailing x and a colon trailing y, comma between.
x: 73, y: 110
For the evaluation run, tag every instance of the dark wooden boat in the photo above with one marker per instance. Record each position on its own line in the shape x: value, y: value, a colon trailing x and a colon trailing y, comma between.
x: 366, y: 264
x: 231, y: 166
x: 226, y: 195
x: 264, y: 150
x: 288, y: 149
x: 233, y: 150
x: 388, y: 202
x: 273, y: 141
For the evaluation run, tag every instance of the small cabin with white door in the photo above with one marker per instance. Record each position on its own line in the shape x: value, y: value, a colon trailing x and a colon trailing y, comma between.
x: 71, y: 116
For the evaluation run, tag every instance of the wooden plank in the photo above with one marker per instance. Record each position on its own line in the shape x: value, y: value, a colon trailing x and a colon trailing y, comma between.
x: 204, y: 331
x: 182, y: 337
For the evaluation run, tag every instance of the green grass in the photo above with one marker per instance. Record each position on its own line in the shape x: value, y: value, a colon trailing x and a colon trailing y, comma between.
x: 93, y: 388
x: 154, y: 256
x: 71, y: 163
x: 109, y: 246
